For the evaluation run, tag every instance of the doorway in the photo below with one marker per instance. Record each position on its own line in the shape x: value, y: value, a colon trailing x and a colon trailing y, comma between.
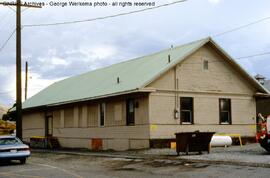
x: 130, y: 111
x: 49, y: 126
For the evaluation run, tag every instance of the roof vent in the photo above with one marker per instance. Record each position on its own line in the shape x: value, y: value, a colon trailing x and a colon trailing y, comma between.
x: 169, y: 58
x: 118, y: 80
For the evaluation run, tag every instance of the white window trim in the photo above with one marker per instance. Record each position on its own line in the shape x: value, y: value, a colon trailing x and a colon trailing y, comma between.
x: 187, y: 123
x: 230, y: 113
x: 226, y: 123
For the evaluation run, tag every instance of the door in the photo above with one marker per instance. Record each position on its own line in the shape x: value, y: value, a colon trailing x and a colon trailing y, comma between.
x: 48, y: 126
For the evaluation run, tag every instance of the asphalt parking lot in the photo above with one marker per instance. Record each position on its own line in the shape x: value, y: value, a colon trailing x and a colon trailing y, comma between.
x: 250, y: 154
x: 60, y: 165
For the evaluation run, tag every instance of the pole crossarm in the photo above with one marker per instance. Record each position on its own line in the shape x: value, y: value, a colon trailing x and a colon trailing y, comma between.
x: 22, y: 5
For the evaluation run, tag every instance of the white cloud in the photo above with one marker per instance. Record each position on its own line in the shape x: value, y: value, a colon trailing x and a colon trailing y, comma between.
x: 51, y: 62
x: 214, y: 1
x: 36, y: 83
x: 8, y: 89
x: 98, y: 52
x: 54, y: 52
x: 59, y: 61
x: 8, y: 84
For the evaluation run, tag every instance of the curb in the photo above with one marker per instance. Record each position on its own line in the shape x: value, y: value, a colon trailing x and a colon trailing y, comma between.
x: 90, y: 154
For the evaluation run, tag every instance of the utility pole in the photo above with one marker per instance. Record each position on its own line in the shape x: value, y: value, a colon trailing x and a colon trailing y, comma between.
x: 18, y: 72
x: 26, y: 80
x: 18, y: 65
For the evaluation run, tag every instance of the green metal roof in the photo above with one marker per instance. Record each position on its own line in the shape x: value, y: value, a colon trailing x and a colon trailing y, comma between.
x: 133, y: 74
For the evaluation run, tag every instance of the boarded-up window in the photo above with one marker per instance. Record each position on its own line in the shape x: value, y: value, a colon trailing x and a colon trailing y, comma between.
x: 92, y: 115
x: 68, y: 115
x: 118, y: 112
x: 56, y: 119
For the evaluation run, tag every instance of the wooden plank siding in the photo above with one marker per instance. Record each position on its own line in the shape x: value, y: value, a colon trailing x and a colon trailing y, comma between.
x: 76, y: 126
x: 77, y: 123
x: 206, y: 87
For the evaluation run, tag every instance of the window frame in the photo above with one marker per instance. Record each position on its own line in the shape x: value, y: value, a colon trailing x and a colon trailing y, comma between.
x: 191, y: 111
x: 230, y: 112
x: 205, y: 65
x: 128, y: 119
x: 101, y: 105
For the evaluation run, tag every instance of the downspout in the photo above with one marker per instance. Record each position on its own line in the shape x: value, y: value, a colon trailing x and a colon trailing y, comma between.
x: 46, y: 128
x: 176, y: 110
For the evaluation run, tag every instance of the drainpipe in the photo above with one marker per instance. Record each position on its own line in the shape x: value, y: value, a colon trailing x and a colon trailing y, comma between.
x: 46, y: 128
x: 176, y: 110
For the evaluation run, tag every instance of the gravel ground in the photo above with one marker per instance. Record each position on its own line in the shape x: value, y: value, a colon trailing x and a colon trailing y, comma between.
x: 250, y: 153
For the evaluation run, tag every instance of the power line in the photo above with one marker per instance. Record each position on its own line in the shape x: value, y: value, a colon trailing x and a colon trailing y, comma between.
x: 239, y: 58
x: 254, y: 55
x: 5, y: 43
x: 240, y: 27
x: 142, y: 10
x: 214, y: 61
x: 11, y: 9
x: 4, y: 20
x: 3, y: 17
x: 104, y: 17
x: 12, y: 91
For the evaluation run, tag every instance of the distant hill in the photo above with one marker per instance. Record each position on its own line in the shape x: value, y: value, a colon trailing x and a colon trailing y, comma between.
x: 3, y: 110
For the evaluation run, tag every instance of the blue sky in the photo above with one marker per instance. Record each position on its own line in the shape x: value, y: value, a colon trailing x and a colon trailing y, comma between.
x: 57, y: 52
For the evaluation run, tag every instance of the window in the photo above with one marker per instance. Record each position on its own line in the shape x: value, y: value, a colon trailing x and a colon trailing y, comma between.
x: 130, y: 106
x: 225, y: 111
x: 205, y: 65
x: 102, y: 114
x: 68, y: 117
x: 9, y: 141
x: 186, y: 110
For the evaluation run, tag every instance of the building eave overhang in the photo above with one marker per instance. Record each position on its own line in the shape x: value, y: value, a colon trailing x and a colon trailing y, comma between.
x: 261, y: 95
x: 137, y: 90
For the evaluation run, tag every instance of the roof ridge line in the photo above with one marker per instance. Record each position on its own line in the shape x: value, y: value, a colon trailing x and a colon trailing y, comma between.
x: 137, y: 58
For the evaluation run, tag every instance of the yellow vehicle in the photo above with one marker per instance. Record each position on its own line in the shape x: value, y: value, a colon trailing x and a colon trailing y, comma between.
x: 6, y: 127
